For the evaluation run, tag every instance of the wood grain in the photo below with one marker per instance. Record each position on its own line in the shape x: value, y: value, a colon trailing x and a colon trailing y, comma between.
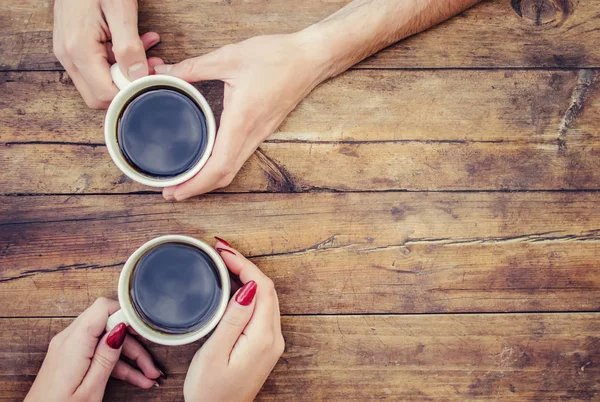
x: 292, y: 167
x: 363, y: 105
x: 337, y: 254
x: 442, y: 357
x: 492, y: 34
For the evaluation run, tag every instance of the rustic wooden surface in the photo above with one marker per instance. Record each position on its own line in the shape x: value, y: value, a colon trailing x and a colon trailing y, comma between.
x: 422, y: 357
x: 431, y: 218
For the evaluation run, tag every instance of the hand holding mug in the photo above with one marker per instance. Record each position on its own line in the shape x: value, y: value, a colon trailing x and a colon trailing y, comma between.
x: 265, y: 78
x: 236, y: 360
x: 80, y: 359
x: 90, y: 35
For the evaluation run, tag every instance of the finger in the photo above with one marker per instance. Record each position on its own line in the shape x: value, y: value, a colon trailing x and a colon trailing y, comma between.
x: 137, y: 353
x: 95, y: 70
x: 240, y: 265
x: 262, y: 319
x: 103, y: 362
x: 153, y: 62
x: 93, y: 320
x: 128, y: 48
x: 132, y: 331
x: 211, y: 66
x: 127, y: 373
x: 85, y: 91
x: 277, y: 315
x: 234, y: 321
x: 221, y: 167
x: 110, y: 55
x: 149, y: 39
x: 169, y: 193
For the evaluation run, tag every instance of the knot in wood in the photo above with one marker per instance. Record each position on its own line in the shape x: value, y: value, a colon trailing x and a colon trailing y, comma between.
x: 543, y: 12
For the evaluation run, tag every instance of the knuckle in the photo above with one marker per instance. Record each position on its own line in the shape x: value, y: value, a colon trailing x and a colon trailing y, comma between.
x: 267, y: 341
x: 234, y: 320
x: 226, y: 180
x: 226, y: 171
x: 268, y: 285
x: 279, y: 345
x: 228, y: 55
x: 121, y: 50
x: 70, y: 47
x: 56, y: 341
x: 187, y: 67
x: 102, y: 301
x: 104, y: 96
x: 103, y: 361
x: 94, y: 104
x: 59, y: 51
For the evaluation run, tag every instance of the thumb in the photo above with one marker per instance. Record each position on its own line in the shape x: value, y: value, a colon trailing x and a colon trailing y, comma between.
x: 234, y: 321
x: 128, y: 47
x: 104, y: 360
x: 211, y: 66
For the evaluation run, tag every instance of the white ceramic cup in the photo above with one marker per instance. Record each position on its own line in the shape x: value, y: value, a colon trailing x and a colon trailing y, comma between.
x: 129, y: 316
x: 129, y: 90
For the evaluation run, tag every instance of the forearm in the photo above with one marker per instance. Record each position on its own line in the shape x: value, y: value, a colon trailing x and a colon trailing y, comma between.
x: 364, y: 27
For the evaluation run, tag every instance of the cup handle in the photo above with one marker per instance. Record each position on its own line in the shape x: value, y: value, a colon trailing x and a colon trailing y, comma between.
x: 116, y: 318
x: 120, y: 80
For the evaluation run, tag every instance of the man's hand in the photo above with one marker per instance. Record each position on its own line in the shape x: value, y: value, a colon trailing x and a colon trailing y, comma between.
x: 83, y: 31
x: 265, y: 78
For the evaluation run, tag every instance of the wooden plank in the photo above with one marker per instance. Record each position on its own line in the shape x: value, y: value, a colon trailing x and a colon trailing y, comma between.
x: 493, y: 34
x: 338, y: 254
x: 363, y: 105
x: 292, y: 167
x: 442, y: 357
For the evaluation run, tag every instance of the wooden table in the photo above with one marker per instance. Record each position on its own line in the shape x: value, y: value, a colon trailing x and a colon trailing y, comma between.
x: 431, y: 218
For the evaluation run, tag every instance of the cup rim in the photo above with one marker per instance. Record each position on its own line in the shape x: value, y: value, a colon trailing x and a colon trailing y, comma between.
x: 136, y: 322
x: 124, y: 96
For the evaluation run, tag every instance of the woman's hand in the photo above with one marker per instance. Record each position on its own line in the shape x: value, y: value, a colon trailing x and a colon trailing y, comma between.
x: 80, y: 360
x: 265, y: 78
x: 83, y: 31
x: 237, y: 359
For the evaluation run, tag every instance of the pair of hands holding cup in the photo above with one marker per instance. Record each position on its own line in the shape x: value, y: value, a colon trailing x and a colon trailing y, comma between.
x: 265, y: 78
x: 231, y: 366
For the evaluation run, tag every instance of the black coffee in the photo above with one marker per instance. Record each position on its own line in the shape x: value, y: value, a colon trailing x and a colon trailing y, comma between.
x: 162, y: 132
x: 175, y: 288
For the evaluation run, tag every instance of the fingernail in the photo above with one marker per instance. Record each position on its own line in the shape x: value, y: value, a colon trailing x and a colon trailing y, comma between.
x: 153, y: 42
x: 221, y: 249
x: 137, y: 71
x: 116, y: 337
x: 246, y: 293
x: 163, y: 375
x: 163, y: 68
x: 168, y: 193
x: 223, y: 241
x: 180, y: 196
x: 156, y: 385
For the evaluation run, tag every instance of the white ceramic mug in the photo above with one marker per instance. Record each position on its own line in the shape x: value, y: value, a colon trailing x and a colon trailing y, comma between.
x: 129, y: 90
x: 129, y: 316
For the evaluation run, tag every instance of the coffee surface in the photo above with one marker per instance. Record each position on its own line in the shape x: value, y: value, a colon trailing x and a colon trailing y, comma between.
x: 175, y: 288
x: 162, y: 132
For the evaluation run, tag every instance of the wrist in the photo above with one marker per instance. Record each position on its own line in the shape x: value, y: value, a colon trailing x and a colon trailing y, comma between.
x: 315, y: 54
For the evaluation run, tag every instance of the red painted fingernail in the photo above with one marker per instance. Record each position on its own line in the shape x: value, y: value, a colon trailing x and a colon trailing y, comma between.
x: 223, y: 241
x: 116, y: 337
x: 246, y: 293
x: 220, y: 249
